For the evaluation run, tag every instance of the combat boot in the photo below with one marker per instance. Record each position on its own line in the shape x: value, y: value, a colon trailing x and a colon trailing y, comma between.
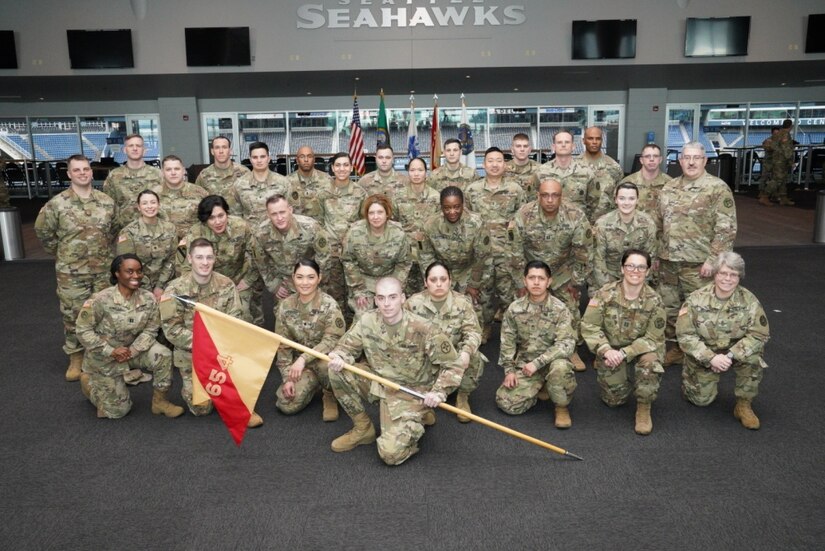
x: 485, y: 334
x: 578, y: 364
x: 674, y: 356
x: 363, y: 432
x: 644, y: 424
x: 255, y: 421
x: 745, y: 414
x: 330, y: 406
x: 785, y: 202
x: 765, y: 200
x: 543, y: 394
x: 75, y: 366
x: 462, y: 402
x: 85, y: 387
x: 160, y: 405
x: 563, y: 420
x: 428, y: 419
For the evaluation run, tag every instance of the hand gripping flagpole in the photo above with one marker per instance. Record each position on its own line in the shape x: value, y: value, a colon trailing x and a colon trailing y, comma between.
x: 381, y: 380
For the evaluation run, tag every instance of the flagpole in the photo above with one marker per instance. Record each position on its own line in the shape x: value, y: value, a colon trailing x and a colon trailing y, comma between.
x: 390, y: 384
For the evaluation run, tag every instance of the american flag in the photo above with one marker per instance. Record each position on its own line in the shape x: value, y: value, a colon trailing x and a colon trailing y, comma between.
x: 356, y: 140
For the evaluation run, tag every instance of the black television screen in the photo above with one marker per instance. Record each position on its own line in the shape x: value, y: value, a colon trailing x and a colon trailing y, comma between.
x: 605, y: 39
x: 8, y: 52
x: 216, y: 46
x: 815, y: 39
x: 717, y: 37
x: 100, y: 49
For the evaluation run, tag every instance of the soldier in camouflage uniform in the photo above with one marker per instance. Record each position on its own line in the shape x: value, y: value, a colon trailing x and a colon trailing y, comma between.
x: 153, y: 240
x: 453, y: 173
x: 698, y: 223
x: 767, y: 167
x: 607, y: 171
x: 521, y: 167
x: 619, y: 230
x: 124, y: 183
x: 180, y: 198
x: 77, y: 226
x: 497, y: 200
x: 406, y: 349
x: 624, y: 326
x: 340, y: 206
x: 306, y: 184
x: 454, y: 315
x: 373, y: 248
x: 312, y: 318
x: 385, y: 179
x: 250, y: 191
x: 723, y: 326
x: 282, y: 241
x: 413, y: 206
x: 576, y: 177
x: 218, y: 178
x: 557, y: 233
x: 537, y: 339
x: 650, y: 181
x: 232, y: 240
x: 782, y: 154
x: 118, y: 327
x: 202, y: 284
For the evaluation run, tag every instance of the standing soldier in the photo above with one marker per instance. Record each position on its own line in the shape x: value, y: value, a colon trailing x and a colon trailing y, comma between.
x: 698, y: 223
x: 306, y: 184
x: 125, y: 182
x: 558, y: 234
x: 250, y: 191
x: 217, y: 178
x: 521, y: 167
x: 649, y: 181
x: 77, y: 226
x: 385, y: 179
x: 606, y: 170
x: 453, y: 173
x: 576, y: 177
x: 179, y: 199
x: 624, y: 326
x: 782, y: 152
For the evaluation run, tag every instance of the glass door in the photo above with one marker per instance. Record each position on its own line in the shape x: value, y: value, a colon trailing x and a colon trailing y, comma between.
x: 147, y: 126
x: 220, y: 124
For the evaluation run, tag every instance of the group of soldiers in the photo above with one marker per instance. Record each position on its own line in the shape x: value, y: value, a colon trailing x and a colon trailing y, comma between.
x: 520, y: 244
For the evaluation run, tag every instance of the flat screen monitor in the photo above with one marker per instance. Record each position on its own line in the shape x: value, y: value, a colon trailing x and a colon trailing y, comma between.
x: 8, y: 51
x: 100, y: 49
x: 217, y: 46
x: 605, y: 39
x: 717, y: 36
x: 815, y: 39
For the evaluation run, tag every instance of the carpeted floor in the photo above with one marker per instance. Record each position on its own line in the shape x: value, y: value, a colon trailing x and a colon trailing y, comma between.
x: 700, y: 481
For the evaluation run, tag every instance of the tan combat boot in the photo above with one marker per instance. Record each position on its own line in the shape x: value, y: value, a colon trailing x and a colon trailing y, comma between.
x: 745, y: 414
x: 563, y: 420
x: 160, y: 405
x: 75, y: 366
x: 428, y: 419
x: 255, y: 421
x: 330, y: 406
x: 85, y: 388
x: 462, y: 402
x: 543, y: 394
x: 673, y: 356
x: 644, y: 424
x: 578, y: 364
x: 765, y: 200
x: 362, y: 433
x: 785, y: 202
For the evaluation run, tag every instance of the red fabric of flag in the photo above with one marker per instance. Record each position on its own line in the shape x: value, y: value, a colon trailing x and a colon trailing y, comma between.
x: 356, y: 141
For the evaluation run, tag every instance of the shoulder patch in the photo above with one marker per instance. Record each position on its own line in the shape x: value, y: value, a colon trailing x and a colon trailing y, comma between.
x: 295, y: 195
x: 589, y: 233
x: 88, y: 303
x: 322, y: 242
x: 486, y: 240
x: 164, y: 298
x: 122, y: 238
x: 659, y: 323
x: 339, y: 323
x: 728, y: 203
x: 763, y: 321
x: 683, y: 310
x: 593, y: 302
x: 445, y: 347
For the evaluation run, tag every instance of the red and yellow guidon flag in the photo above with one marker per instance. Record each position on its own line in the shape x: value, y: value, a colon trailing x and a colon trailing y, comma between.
x: 230, y: 360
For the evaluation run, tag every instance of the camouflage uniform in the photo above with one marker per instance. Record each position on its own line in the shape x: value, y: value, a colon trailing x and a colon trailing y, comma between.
x: 524, y: 176
x: 318, y: 325
x: 413, y: 353
x: 782, y: 155
x: 176, y: 319
x: 612, y: 238
x: 578, y: 183
x: 456, y: 318
x: 497, y: 206
x: 249, y: 195
x: 564, y: 242
x: 442, y: 177
x: 412, y: 209
x: 373, y: 182
x: 368, y: 258
x: 698, y: 223
x: 123, y: 185
x: 156, y: 245
x: 304, y: 193
x: 608, y: 173
x: 180, y: 205
x: 649, y: 193
x: 233, y: 258
x: 79, y: 233
x: 108, y: 321
x: 219, y: 181
x: 275, y: 254
x: 635, y: 327
x: 542, y: 334
x: 708, y: 326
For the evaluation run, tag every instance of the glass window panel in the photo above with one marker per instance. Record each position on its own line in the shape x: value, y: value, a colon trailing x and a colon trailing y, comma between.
x: 553, y: 119
x: 269, y: 128
x: 55, y: 138
x: 315, y: 129
x: 101, y: 137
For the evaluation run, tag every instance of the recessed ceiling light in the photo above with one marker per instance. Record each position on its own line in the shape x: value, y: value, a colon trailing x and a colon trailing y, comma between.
x: 467, y: 76
x: 309, y: 93
x: 515, y: 89
x: 357, y: 78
